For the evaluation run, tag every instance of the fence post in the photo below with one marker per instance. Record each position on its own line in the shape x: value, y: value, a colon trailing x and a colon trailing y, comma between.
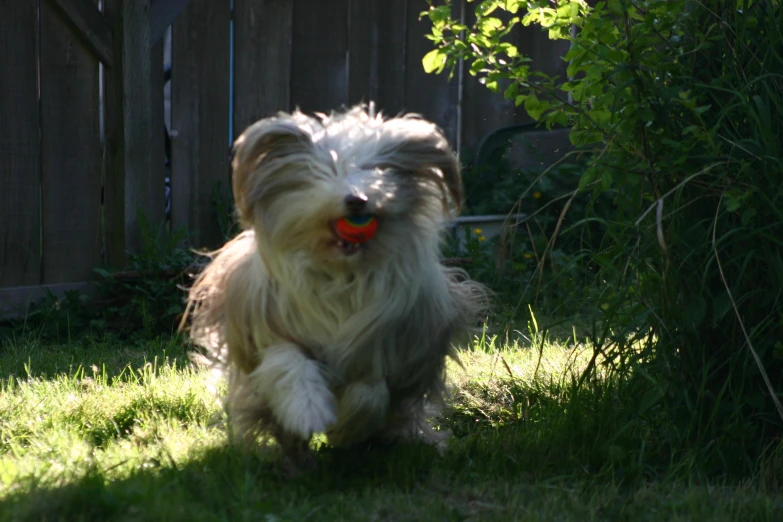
x: 20, y: 147
x: 133, y: 186
x: 200, y: 172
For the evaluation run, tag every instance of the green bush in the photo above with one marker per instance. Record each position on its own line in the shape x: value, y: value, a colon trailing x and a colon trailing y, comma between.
x: 681, y: 105
x: 145, y: 300
x: 525, y: 266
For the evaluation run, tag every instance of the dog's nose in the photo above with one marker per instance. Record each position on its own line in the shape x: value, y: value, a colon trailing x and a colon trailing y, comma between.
x: 355, y: 203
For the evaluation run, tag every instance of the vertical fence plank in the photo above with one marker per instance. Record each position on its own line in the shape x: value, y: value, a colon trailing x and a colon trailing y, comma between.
x: 70, y: 153
x: 547, y: 55
x: 484, y: 111
x: 199, y: 113
x: 433, y: 96
x: 133, y: 184
x: 20, y: 255
x: 319, y: 69
x: 262, y: 59
x: 144, y: 188
x: 377, y: 54
x: 158, y: 128
x: 114, y: 143
x: 541, y: 148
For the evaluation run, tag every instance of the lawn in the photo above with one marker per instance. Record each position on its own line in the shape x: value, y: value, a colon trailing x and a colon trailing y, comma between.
x: 109, y: 431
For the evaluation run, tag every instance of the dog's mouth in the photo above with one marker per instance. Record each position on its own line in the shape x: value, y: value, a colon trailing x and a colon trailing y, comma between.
x: 353, y: 233
x: 347, y: 248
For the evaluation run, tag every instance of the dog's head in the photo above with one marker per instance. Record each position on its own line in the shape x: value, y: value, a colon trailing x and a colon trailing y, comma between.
x: 295, y: 176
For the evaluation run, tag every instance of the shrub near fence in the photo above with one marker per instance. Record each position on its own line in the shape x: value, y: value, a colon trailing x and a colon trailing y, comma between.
x: 680, y: 102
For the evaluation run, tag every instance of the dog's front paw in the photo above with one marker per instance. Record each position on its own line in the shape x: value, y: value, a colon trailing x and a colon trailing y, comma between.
x: 308, y: 410
x: 296, y: 391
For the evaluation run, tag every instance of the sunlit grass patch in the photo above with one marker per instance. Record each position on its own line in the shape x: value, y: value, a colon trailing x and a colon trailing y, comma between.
x: 57, y: 429
x: 108, y: 439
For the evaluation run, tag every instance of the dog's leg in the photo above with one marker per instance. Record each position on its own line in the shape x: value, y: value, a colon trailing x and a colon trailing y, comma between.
x: 295, y: 390
x: 408, y: 422
x: 363, y: 409
x: 297, y: 456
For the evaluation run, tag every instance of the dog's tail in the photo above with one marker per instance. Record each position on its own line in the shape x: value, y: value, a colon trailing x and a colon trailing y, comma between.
x: 473, y: 300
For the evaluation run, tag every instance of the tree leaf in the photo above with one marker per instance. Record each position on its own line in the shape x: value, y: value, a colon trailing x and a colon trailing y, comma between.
x: 434, y: 60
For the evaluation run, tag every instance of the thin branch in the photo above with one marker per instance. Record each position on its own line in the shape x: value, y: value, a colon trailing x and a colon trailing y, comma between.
x: 739, y: 318
x: 677, y: 187
x: 553, y: 238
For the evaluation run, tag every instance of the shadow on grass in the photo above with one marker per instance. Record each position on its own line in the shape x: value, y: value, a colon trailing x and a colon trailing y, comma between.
x: 405, y: 482
x: 559, y: 455
x: 223, y: 483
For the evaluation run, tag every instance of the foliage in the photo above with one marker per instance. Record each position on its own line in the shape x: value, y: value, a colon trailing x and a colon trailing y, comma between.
x: 149, y: 301
x: 510, y: 265
x: 680, y: 104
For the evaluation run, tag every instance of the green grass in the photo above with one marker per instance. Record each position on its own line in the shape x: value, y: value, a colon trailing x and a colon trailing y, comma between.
x: 101, y: 431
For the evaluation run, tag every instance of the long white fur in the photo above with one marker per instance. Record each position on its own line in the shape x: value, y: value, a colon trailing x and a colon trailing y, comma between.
x: 313, y: 340
x: 295, y: 389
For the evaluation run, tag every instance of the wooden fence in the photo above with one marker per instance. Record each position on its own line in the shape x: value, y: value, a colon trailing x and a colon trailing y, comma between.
x: 82, y: 102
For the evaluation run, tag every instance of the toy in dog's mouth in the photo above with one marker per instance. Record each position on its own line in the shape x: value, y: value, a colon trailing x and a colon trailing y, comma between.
x: 354, y: 231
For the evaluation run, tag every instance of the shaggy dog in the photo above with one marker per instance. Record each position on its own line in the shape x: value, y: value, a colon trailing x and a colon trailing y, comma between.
x: 316, y: 334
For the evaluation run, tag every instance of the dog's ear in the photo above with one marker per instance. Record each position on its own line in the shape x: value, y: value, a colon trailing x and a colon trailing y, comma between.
x: 263, y: 148
x: 419, y: 147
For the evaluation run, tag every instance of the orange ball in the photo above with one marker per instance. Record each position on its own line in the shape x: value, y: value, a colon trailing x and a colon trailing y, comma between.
x: 356, y: 229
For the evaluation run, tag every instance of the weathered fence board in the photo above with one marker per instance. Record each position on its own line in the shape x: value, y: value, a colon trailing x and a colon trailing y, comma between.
x: 319, y: 45
x: 162, y: 15
x: 88, y: 25
x: 432, y: 96
x: 70, y: 153
x: 144, y: 186
x: 67, y: 205
x: 114, y: 156
x: 16, y: 301
x: 546, y: 54
x: 377, y: 54
x: 20, y: 251
x: 487, y: 110
x: 158, y: 128
x: 262, y: 59
x: 133, y: 182
x: 199, y: 117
